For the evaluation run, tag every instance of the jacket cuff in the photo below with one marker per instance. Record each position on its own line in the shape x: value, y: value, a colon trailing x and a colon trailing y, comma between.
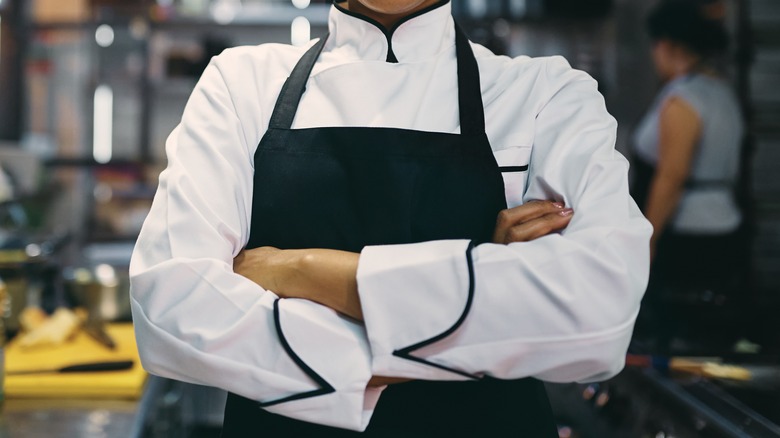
x: 334, y: 353
x: 414, y: 298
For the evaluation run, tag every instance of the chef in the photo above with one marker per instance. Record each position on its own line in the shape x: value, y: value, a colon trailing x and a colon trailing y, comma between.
x: 391, y: 230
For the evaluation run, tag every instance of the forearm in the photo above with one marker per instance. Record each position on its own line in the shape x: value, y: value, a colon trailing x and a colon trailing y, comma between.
x: 679, y: 131
x: 325, y: 276
x: 328, y: 277
x: 665, y: 193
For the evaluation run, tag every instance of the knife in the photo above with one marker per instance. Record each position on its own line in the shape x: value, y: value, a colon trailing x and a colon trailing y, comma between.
x: 89, y: 367
x: 98, y: 333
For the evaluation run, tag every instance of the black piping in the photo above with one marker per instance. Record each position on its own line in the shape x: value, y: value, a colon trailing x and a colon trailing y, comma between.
x: 324, y: 386
x: 406, y: 353
x: 513, y: 168
x: 389, y: 32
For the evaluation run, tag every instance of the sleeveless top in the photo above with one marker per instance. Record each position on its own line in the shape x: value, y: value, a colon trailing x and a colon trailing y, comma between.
x: 707, y: 205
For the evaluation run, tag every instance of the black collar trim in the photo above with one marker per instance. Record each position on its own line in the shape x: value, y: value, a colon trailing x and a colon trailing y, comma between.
x: 389, y: 32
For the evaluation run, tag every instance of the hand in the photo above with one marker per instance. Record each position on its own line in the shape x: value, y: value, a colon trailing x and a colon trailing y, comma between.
x: 530, y: 221
x: 382, y: 381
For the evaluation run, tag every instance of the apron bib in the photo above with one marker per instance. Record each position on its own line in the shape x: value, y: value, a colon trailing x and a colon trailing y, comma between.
x: 349, y: 187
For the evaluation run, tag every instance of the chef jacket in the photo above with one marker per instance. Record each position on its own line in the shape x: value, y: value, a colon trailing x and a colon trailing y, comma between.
x: 559, y: 308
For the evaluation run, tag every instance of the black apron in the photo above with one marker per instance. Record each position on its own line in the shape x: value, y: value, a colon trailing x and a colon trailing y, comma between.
x: 687, y: 274
x: 348, y: 187
x: 685, y: 261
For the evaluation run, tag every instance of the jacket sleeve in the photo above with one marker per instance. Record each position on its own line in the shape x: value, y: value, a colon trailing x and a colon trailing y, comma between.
x: 559, y: 308
x: 197, y: 321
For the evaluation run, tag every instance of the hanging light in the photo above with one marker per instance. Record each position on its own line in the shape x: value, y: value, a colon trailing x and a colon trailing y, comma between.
x: 300, y: 31
x: 301, y: 4
x: 518, y: 9
x: 225, y: 11
x: 104, y: 35
x: 103, y: 124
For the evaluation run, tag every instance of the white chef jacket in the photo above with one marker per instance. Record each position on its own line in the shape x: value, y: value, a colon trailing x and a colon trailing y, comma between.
x: 559, y: 308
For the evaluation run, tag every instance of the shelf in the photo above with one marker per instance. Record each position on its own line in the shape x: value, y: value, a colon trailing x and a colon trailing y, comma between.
x: 250, y: 16
x: 176, y: 86
x: 90, y: 162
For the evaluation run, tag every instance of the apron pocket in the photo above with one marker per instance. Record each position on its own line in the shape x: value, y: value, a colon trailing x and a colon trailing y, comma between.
x: 513, y: 164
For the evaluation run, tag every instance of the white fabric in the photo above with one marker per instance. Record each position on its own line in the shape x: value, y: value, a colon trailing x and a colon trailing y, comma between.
x: 559, y: 308
x: 704, y: 208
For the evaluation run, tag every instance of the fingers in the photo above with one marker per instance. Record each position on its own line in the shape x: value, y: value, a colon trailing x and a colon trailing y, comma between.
x: 529, y: 210
x: 542, y: 226
x: 383, y: 381
x: 512, y: 217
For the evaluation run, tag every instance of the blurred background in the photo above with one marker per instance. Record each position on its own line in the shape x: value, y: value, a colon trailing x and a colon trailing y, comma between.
x: 90, y: 89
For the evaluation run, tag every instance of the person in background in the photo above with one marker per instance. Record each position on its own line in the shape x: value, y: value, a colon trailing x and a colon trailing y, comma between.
x: 687, y: 155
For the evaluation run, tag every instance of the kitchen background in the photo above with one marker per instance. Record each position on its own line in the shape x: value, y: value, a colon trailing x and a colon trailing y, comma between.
x: 90, y: 89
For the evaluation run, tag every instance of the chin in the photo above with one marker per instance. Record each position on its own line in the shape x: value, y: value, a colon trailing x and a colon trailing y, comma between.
x: 392, y: 7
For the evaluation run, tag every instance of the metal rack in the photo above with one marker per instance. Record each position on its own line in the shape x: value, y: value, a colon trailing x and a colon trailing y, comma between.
x: 762, y: 94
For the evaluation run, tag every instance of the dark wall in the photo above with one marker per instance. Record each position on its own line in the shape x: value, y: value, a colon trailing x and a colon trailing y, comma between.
x: 12, y: 40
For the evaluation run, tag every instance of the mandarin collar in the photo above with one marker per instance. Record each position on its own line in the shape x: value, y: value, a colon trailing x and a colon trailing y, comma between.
x: 416, y: 37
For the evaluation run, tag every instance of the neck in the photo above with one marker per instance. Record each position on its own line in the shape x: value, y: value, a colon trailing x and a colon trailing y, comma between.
x: 687, y: 65
x: 386, y: 19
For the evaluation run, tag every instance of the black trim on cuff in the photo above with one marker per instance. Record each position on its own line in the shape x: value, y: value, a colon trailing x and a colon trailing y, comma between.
x: 324, y: 386
x: 406, y: 353
x: 506, y: 169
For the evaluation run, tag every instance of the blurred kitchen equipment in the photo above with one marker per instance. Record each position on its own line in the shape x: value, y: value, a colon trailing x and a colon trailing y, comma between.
x: 89, y: 367
x: 98, y: 332
x: 31, y: 273
x: 82, y: 349
x: 26, y: 252
x: 101, y: 289
x: 3, y: 307
x: 739, y: 371
x: 24, y: 168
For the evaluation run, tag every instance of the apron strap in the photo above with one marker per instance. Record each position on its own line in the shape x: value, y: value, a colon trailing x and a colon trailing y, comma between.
x: 472, y: 113
x: 294, y: 87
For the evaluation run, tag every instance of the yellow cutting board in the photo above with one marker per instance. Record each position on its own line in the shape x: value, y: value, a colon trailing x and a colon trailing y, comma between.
x: 81, y: 349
